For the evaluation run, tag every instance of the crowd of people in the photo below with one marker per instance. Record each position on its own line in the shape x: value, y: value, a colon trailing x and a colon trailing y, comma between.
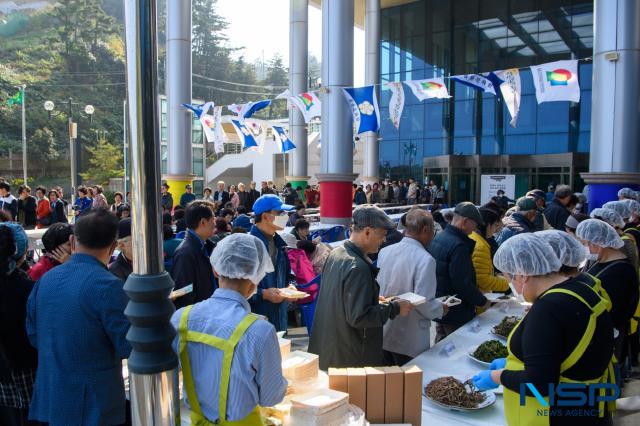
x: 64, y: 329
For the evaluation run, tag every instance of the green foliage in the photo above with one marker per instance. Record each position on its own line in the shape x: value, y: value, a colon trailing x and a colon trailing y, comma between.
x: 105, y: 162
x: 42, y: 146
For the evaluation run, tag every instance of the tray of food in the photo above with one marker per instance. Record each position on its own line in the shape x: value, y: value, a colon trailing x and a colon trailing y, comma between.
x: 488, y: 351
x: 453, y: 394
x: 504, y: 328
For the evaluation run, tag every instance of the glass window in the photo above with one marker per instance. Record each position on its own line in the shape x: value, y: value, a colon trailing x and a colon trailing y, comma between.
x: 585, y: 110
x: 198, y: 166
x: 520, y: 144
x: 163, y: 159
x: 198, y: 187
x: 390, y: 151
x: 412, y: 121
x: 552, y: 143
x: 464, y: 146
x: 489, y: 145
x: 526, y: 117
x: 435, y: 146
x: 464, y: 119
x: 436, y: 123
x: 438, y: 16
x: 489, y: 116
x: 553, y: 117
x: 197, y: 136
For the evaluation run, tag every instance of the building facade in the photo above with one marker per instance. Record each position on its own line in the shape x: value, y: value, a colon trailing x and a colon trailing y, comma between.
x: 455, y: 141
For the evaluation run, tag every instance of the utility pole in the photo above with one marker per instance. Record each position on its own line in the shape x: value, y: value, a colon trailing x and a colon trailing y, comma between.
x: 24, y: 135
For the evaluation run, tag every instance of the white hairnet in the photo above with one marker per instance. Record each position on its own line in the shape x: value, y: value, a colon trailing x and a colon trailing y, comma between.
x: 568, y: 249
x: 608, y: 215
x: 627, y: 192
x: 634, y: 206
x: 526, y: 254
x: 598, y: 233
x: 241, y: 256
x: 620, y: 207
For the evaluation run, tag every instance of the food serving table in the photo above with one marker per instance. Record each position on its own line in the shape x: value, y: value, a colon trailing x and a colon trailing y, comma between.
x: 449, y: 357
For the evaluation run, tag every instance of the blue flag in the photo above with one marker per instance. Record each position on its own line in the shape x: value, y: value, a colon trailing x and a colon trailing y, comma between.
x: 245, y: 135
x: 364, y: 107
x: 197, y: 109
x: 251, y: 108
x: 282, y: 138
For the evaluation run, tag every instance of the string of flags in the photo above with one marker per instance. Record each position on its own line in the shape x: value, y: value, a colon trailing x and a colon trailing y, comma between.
x: 553, y: 81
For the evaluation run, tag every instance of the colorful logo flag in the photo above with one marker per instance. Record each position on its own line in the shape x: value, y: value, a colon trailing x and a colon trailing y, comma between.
x: 364, y: 108
x: 309, y: 105
x: 488, y: 82
x: 396, y: 103
x: 556, y: 81
x: 245, y: 135
x: 511, y: 90
x: 283, y: 139
x: 428, y: 89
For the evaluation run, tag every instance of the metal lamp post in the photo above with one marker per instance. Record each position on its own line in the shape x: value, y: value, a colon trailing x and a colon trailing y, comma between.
x: 153, y: 365
x: 89, y: 110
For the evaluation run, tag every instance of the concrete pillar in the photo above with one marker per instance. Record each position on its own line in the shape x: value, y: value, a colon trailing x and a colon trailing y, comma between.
x: 298, y: 77
x: 615, y: 118
x: 178, y: 88
x: 336, y: 166
x: 371, y: 76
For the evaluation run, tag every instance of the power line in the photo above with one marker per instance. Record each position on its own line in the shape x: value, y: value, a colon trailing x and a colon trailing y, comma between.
x: 234, y: 91
x: 76, y: 85
x: 237, y: 84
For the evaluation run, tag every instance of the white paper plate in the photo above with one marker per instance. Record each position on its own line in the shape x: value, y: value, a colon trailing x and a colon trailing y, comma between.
x: 495, y: 297
x: 490, y: 398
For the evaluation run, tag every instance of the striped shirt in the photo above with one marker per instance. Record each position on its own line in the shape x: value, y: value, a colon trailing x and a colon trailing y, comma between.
x: 256, y: 372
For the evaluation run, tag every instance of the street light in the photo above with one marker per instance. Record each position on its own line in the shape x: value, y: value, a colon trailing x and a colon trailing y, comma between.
x: 89, y: 110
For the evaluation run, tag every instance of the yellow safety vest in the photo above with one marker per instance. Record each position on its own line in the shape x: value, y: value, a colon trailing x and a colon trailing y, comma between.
x: 527, y: 415
x: 633, y: 322
x: 227, y: 346
x: 596, y: 285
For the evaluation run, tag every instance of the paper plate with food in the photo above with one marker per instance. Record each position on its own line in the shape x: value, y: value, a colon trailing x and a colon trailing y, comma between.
x: 453, y: 394
x: 488, y: 351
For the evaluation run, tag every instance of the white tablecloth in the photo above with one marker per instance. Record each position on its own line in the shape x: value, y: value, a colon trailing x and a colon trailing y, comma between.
x: 458, y: 364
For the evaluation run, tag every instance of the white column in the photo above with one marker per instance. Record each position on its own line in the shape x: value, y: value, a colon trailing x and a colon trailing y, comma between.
x: 371, y: 76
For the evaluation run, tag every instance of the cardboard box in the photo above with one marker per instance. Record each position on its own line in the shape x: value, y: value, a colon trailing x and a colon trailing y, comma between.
x: 375, y: 394
x: 412, y: 395
x: 394, y: 394
x: 357, y: 387
x: 338, y: 379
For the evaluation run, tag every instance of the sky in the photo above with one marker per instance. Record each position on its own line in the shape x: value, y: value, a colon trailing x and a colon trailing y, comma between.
x: 262, y: 28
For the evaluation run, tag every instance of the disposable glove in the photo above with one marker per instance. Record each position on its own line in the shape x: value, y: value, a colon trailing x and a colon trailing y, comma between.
x: 482, y: 381
x: 498, y: 364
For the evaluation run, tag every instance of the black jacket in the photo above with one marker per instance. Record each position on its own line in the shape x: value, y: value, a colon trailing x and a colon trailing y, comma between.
x: 557, y: 214
x: 10, y: 205
x: 167, y: 201
x: 191, y: 266
x: 514, y: 225
x: 58, y: 214
x: 253, y: 196
x: 348, y: 321
x: 27, y: 211
x: 121, y: 268
x: 225, y: 197
x: 452, y: 250
x: 15, y: 349
x: 243, y: 198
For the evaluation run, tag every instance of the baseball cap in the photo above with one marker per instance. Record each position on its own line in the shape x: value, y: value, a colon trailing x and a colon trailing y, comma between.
x: 373, y: 217
x: 124, y: 228
x: 526, y: 204
x: 270, y: 202
x: 538, y: 194
x: 188, y: 186
x: 470, y: 211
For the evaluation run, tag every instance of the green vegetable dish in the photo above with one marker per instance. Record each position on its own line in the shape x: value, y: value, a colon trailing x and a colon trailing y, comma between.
x: 490, y: 350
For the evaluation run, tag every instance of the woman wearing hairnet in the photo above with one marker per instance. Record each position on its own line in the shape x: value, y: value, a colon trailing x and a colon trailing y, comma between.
x: 613, y: 218
x: 230, y: 357
x: 619, y: 277
x: 566, y: 336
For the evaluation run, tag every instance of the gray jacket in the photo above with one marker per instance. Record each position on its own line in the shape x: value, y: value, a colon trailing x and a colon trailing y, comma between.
x: 408, y: 267
x: 347, y: 326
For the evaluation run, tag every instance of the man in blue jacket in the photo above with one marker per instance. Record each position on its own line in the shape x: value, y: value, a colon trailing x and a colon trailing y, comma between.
x: 270, y: 216
x: 76, y: 321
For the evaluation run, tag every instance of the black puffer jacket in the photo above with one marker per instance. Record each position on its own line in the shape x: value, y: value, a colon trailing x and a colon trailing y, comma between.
x: 557, y: 214
x: 455, y: 274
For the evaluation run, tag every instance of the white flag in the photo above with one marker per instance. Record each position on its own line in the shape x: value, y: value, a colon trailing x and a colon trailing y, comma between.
x: 286, y: 94
x: 396, y: 103
x: 309, y: 105
x: 556, y: 81
x: 236, y: 108
x: 219, y: 136
x: 259, y: 134
x: 208, y: 121
x: 511, y: 90
x: 429, y: 88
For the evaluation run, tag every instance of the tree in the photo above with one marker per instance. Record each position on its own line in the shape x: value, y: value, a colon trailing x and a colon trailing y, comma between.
x: 42, y: 145
x: 105, y: 161
x: 277, y: 73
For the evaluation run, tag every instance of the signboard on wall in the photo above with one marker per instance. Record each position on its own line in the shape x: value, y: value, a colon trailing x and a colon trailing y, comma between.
x: 490, y: 184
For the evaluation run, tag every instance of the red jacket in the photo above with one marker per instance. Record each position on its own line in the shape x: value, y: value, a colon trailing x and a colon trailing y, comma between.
x: 43, y: 210
x: 44, y: 265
